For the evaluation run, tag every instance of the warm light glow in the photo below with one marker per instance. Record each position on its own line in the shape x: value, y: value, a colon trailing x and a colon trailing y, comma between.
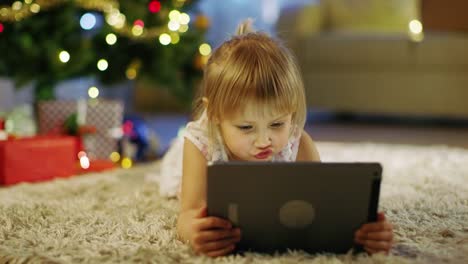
x: 87, y: 21
x: 17, y: 5
x: 137, y: 30
x: 102, y: 65
x: 84, y: 162
x: 205, y: 49
x: 183, y: 28
x: 93, y: 92
x: 415, y: 26
x: 175, y: 38
x: 35, y: 8
x: 173, y: 25
x: 126, y: 163
x: 164, y: 39
x: 184, y: 19
x: 174, y: 15
x: 131, y: 73
x: 114, y: 156
x: 116, y: 19
x: 28, y: 1
x: 81, y: 154
x: 111, y: 38
x: 64, y: 56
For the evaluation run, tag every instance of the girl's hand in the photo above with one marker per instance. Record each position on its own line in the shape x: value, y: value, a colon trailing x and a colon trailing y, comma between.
x: 208, y: 235
x: 375, y: 237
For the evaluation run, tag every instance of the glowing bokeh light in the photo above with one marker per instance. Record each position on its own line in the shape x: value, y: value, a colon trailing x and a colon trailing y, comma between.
x: 111, y: 38
x: 205, y: 49
x: 154, y: 6
x: 173, y: 25
x: 93, y: 92
x: 174, y: 15
x: 102, y: 65
x: 64, y: 56
x: 126, y: 163
x: 87, y: 21
x: 415, y: 26
x: 84, y: 162
x: 35, y: 8
x: 165, y: 39
x: 114, y: 156
x: 184, y: 19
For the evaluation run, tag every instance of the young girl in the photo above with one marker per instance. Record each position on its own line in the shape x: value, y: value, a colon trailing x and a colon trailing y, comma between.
x: 252, y: 108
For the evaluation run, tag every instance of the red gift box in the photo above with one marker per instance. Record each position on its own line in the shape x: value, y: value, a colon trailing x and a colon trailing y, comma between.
x: 37, y: 159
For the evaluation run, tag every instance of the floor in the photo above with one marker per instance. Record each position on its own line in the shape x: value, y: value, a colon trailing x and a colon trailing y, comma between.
x: 350, y: 128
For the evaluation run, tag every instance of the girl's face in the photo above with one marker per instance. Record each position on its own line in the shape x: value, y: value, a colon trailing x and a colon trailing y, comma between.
x: 255, y: 135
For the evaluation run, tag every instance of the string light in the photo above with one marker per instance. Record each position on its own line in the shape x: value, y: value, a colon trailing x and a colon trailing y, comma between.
x: 93, y: 92
x: 110, y: 8
x: 126, y: 163
x: 165, y: 39
x: 154, y: 6
x: 87, y: 21
x: 111, y: 38
x: 175, y: 38
x: 1, y: 27
x: 64, y: 56
x: 114, y: 156
x: 139, y: 22
x: 35, y: 8
x: 173, y: 25
x: 137, y: 30
x: 205, y: 49
x: 84, y: 162
x: 174, y: 15
x: 183, y: 28
x: 102, y: 65
x: 415, y: 26
x: 184, y: 19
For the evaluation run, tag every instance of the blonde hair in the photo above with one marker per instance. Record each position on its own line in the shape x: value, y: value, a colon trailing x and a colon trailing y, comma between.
x: 251, y: 67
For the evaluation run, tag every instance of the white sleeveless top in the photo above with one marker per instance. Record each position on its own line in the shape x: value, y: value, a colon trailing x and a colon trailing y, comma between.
x: 197, y: 132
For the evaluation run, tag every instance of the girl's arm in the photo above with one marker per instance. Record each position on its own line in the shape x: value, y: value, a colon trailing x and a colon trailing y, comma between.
x: 307, y: 150
x: 193, y: 192
x: 208, y: 235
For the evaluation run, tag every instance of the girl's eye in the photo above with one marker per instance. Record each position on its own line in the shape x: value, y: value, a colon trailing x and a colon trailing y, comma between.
x: 278, y: 124
x: 244, y: 127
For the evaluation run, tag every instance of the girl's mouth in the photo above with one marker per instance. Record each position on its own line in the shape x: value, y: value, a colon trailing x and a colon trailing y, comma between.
x: 264, y: 154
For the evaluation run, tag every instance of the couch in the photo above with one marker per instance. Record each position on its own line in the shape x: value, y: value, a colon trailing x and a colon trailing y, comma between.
x: 349, y: 67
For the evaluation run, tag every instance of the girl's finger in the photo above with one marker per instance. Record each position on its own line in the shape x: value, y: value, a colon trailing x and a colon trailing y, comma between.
x: 377, y: 226
x: 218, y: 245
x: 212, y: 222
x: 214, y: 235
x: 380, y: 236
x: 378, y: 245
x: 221, y: 252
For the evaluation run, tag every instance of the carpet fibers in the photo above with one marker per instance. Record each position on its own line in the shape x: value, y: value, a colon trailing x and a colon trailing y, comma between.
x: 117, y: 217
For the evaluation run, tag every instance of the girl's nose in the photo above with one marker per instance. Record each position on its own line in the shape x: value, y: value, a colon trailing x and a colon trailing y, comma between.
x: 263, y: 141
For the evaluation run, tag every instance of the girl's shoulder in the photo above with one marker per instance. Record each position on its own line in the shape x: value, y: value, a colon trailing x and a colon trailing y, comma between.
x: 197, y: 132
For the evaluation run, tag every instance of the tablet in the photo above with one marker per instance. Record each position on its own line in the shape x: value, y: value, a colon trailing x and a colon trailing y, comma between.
x: 310, y: 206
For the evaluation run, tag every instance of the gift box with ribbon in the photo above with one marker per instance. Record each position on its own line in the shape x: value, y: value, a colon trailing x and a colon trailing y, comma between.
x: 105, y: 116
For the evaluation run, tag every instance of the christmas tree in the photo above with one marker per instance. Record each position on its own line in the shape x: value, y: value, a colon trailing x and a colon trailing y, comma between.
x: 46, y: 41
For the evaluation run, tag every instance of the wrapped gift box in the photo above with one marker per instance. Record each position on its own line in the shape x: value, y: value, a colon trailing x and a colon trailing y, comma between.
x: 37, y: 159
x: 104, y: 115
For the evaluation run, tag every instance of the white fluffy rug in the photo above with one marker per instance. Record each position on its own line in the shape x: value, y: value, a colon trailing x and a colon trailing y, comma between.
x: 117, y: 217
